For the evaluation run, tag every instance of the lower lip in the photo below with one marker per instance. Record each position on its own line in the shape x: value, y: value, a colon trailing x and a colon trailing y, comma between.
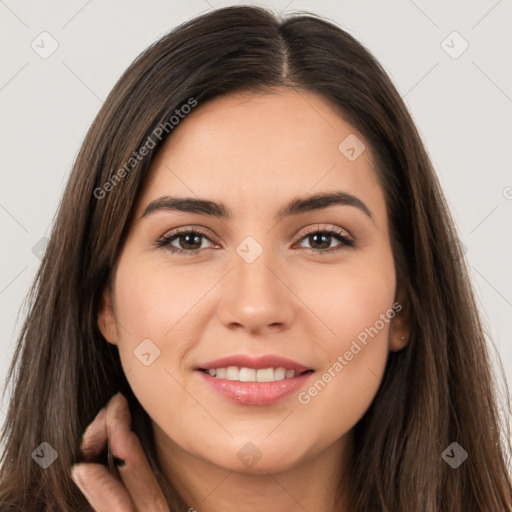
x: 255, y: 393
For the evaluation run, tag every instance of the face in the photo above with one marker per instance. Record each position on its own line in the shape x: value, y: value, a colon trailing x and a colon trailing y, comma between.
x: 309, y: 289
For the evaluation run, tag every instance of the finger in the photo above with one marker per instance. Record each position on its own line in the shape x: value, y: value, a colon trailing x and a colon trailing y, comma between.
x: 137, y: 475
x: 103, y: 491
x: 95, y: 435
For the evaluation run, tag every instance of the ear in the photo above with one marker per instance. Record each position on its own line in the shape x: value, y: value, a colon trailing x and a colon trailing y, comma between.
x: 400, y: 328
x: 106, y: 317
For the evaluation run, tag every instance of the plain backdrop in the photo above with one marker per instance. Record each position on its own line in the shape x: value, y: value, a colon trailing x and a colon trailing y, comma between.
x: 451, y: 62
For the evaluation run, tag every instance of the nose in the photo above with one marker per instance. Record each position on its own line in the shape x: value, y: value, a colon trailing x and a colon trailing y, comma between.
x: 256, y: 296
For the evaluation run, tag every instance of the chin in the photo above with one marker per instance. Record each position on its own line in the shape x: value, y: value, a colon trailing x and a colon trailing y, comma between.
x: 256, y: 458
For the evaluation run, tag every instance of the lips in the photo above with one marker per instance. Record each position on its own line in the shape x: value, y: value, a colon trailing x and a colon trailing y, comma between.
x: 253, y: 393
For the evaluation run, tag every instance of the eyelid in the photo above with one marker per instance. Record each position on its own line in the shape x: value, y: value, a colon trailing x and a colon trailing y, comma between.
x: 188, y: 229
x: 307, y: 231
x: 326, y: 228
x: 184, y: 230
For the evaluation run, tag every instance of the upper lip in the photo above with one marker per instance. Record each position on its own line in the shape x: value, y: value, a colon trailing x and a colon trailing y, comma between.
x: 258, y: 363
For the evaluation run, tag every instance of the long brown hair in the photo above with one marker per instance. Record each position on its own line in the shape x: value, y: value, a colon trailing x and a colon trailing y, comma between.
x: 437, y: 390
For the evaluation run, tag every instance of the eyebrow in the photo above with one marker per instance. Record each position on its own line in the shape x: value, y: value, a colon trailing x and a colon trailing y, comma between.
x: 296, y: 206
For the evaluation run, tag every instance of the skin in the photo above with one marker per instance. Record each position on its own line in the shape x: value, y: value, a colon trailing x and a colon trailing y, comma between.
x: 254, y: 153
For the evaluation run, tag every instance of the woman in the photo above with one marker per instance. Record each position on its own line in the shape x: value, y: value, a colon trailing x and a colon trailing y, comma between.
x: 255, y: 371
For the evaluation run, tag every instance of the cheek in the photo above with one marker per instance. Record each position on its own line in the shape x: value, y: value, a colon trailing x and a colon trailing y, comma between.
x: 150, y: 309
x: 349, y: 298
x: 154, y: 309
x: 358, y: 310
x: 155, y: 302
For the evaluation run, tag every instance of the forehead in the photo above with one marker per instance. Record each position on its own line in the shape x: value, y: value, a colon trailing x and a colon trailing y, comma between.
x: 257, y: 150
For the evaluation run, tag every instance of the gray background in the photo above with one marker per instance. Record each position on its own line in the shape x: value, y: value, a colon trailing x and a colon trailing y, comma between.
x: 462, y: 107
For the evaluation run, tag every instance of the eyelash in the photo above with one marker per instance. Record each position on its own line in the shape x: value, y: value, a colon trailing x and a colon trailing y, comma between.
x: 338, y: 233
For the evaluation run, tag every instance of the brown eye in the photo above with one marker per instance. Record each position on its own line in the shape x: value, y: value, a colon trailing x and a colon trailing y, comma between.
x: 320, y: 239
x: 189, y: 241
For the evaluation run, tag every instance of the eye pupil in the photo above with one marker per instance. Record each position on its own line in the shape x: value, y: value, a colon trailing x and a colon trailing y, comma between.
x: 191, y: 239
x: 324, y: 241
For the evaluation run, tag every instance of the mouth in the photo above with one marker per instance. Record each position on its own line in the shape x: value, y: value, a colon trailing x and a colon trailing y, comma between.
x: 246, y: 380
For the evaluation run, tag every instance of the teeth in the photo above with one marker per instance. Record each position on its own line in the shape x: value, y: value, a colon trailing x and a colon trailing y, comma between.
x: 265, y: 375
x: 247, y: 375
x: 252, y: 375
x: 280, y: 373
x: 232, y: 373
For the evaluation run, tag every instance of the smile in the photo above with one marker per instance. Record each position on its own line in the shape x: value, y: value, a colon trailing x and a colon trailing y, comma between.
x: 248, y: 380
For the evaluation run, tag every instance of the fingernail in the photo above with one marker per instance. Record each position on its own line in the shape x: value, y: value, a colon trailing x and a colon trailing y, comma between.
x: 120, y: 463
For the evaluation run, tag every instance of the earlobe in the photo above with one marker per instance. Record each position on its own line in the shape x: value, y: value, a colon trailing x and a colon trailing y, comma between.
x: 398, y: 342
x: 106, y: 318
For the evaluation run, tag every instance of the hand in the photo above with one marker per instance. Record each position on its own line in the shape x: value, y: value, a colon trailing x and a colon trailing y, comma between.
x: 138, y: 489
